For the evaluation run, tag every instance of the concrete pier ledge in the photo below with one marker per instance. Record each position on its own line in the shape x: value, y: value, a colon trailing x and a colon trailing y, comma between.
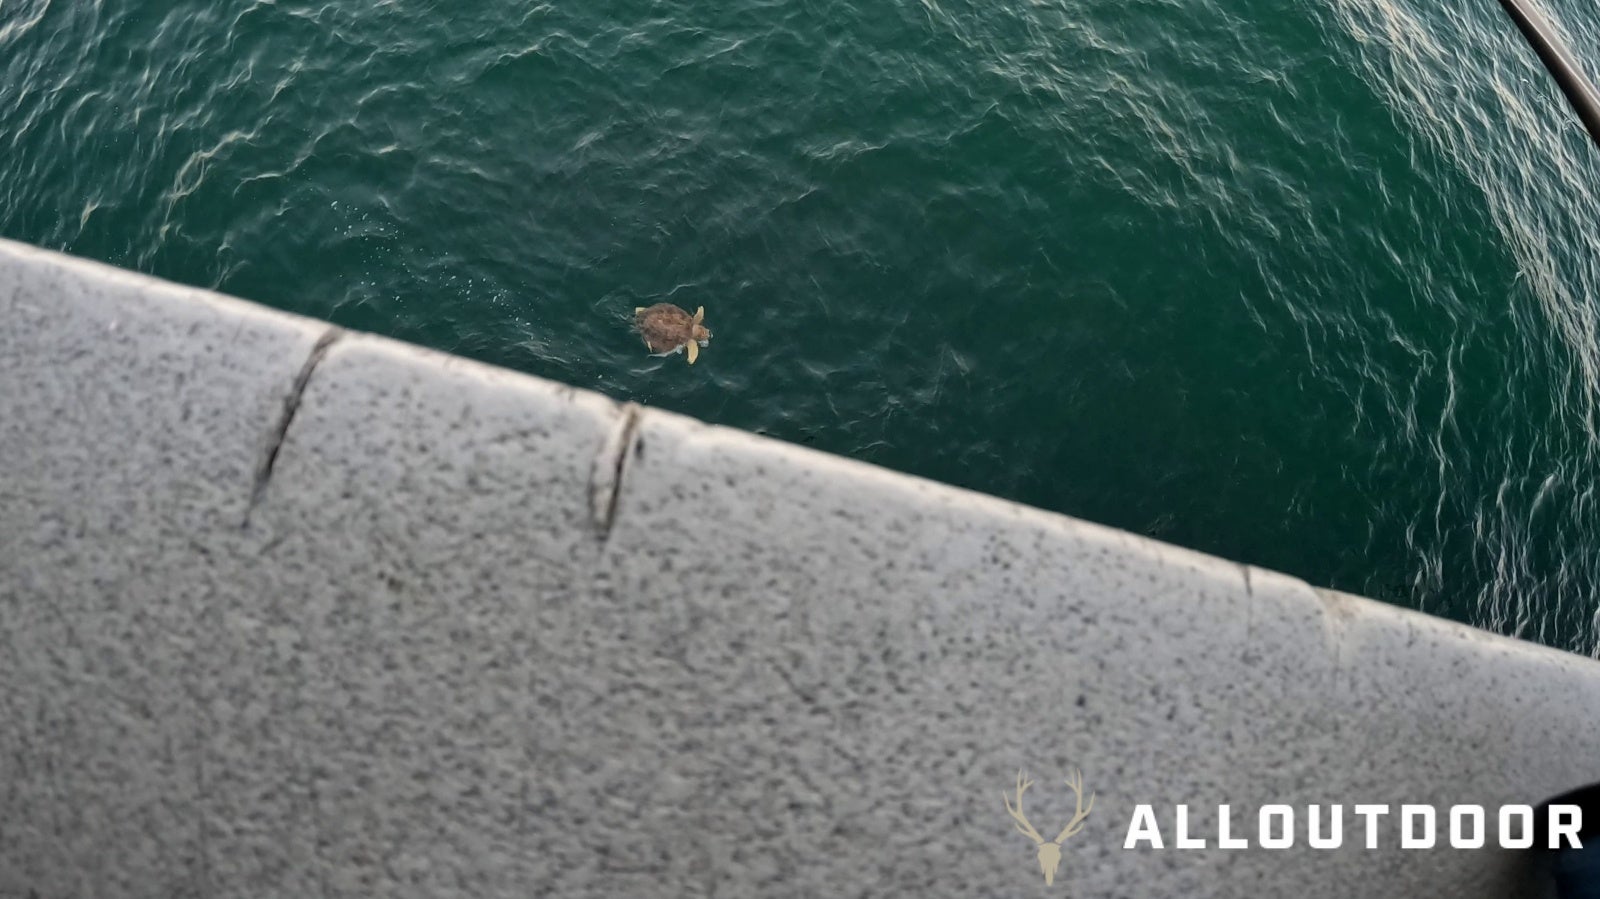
x: 288, y: 611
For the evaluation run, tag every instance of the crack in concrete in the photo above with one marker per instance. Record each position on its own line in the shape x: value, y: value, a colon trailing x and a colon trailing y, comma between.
x: 1249, y: 613
x: 1338, y: 611
x: 291, y: 405
x: 605, y: 479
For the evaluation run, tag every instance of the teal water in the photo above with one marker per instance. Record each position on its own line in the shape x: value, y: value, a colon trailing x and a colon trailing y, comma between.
x: 1312, y: 286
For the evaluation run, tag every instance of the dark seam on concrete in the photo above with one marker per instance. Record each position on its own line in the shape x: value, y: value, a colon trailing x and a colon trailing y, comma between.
x: 1337, y: 612
x: 1249, y: 611
x: 291, y: 405
x: 605, y: 480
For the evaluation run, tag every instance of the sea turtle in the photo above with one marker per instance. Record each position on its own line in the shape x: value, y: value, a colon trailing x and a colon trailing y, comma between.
x: 668, y: 329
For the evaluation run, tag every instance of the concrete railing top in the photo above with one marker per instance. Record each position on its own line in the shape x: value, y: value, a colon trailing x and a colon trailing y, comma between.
x: 291, y: 611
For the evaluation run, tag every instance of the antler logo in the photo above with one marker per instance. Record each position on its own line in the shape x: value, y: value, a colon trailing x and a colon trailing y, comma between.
x: 1049, y: 850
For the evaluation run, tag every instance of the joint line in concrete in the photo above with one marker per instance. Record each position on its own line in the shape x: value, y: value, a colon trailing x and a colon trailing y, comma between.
x: 605, y: 480
x: 291, y: 405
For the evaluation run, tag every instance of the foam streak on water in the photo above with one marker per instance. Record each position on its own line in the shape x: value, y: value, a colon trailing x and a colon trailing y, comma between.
x: 1309, y: 286
x: 1537, y: 174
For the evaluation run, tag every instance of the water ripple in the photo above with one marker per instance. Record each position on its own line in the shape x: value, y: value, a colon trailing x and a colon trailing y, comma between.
x: 1313, y: 288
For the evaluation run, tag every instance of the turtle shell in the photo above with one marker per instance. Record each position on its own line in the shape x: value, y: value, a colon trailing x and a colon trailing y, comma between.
x: 664, y: 327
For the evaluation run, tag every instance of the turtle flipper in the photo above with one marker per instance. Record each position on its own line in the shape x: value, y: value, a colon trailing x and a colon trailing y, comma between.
x: 638, y: 309
x: 700, y: 315
x: 694, y: 351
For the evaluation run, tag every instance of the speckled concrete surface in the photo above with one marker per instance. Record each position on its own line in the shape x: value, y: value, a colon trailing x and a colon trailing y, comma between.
x: 286, y: 612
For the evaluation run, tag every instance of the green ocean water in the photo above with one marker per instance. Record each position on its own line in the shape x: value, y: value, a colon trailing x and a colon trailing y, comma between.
x: 1311, y: 286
